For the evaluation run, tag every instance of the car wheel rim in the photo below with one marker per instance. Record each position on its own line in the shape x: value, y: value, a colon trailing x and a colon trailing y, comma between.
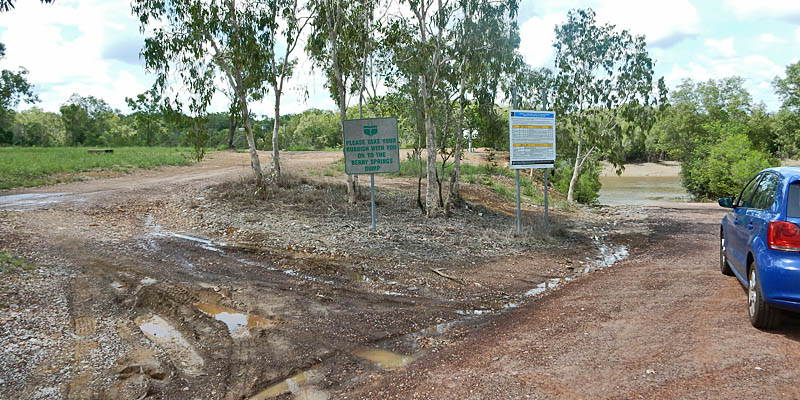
x: 752, y: 294
x: 722, y: 250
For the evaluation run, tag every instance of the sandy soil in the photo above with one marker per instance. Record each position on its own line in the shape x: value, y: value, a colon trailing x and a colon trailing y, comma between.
x: 655, y: 169
x: 184, y: 282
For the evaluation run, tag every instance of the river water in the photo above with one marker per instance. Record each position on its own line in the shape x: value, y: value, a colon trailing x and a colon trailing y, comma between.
x: 637, y: 190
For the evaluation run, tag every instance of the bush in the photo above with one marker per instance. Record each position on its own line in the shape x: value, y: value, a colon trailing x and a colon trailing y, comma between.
x: 722, y: 169
x: 588, y: 186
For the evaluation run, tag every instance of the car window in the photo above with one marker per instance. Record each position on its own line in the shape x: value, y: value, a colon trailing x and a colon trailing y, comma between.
x: 765, y: 191
x: 793, y: 201
x: 746, y: 197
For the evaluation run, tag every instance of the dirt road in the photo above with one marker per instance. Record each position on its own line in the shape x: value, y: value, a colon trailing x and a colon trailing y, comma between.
x: 184, y: 283
x: 662, y: 324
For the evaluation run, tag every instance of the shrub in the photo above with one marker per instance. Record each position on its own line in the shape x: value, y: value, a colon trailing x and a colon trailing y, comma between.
x: 588, y: 186
x: 722, y: 169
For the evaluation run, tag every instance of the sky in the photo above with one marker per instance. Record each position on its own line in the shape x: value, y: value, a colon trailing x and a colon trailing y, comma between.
x: 91, y: 47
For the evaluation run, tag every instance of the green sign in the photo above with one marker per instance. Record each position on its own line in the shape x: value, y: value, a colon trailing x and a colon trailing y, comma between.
x: 371, y: 146
x: 371, y: 130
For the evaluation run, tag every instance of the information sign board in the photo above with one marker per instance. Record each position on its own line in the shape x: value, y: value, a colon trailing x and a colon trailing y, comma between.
x: 371, y: 146
x: 532, y: 138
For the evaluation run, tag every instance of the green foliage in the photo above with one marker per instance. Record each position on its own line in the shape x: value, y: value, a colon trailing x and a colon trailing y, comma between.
x: 587, y: 187
x: 31, y: 166
x: 723, y: 168
x: 10, y: 263
x: 601, y: 70
x: 317, y: 129
x: 14, y: 88
x: 34, y: 127
x: 788, y: 88
x: 85, y: 120
x: 148, y: 116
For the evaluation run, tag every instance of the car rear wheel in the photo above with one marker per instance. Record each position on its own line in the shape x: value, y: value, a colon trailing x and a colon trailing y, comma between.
x: 723, y: 259
x: 762, y: 315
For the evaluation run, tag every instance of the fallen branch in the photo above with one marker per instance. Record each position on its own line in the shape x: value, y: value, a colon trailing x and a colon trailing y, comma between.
x: 438, y: 271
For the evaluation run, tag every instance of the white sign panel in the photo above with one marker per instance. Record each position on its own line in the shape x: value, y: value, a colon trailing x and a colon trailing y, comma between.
x: 371, y: 146
x: 532, y: 139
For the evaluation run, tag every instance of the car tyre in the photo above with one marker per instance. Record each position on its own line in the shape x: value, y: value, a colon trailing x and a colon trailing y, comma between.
x: 723, y: 259
x: 762, y: 315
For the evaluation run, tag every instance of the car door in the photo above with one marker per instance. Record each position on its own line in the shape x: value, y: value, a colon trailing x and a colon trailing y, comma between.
x: 763, y: 210
x: 736, y: 233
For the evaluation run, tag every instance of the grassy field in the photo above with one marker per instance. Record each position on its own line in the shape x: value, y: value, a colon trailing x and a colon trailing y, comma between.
x: 35, y: 166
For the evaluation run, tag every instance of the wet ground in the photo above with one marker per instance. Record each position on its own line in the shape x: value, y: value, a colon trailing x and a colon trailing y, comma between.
x: 662, y: 324
x: 182, y: 283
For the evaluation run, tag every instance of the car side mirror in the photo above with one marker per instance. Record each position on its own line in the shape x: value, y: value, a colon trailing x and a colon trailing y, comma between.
x: 726, y: 202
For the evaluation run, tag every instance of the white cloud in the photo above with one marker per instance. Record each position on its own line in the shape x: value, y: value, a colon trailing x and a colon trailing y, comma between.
x: 758, y: 72
x: 663, y: 23
x: 62, y: 45
x: 724, y: 46
x: 536, y: 39
x: 770, y: 39
x: 782, y: 9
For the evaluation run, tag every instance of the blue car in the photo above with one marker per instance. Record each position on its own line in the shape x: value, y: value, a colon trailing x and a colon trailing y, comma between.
x: 760, y: 243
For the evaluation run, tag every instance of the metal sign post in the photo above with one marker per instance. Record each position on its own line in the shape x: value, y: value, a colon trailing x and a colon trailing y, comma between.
x: 532, y: 139
x: 371, y: 146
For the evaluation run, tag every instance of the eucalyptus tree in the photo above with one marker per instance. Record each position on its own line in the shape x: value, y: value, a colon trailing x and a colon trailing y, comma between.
x: 600, y: 69
x: 486, y: 37
x: 200, y: 41
x: 337, y: 46
x: 419, y: 47
x: 147, y: 114
x: 281, y: 69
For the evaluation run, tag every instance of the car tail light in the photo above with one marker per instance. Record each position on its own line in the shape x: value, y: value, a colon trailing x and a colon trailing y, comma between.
x: 782, y: 235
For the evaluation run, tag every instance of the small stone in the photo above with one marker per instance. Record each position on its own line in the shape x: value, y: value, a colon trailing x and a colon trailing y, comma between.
x: 759, y: 369
x: 650, y: 372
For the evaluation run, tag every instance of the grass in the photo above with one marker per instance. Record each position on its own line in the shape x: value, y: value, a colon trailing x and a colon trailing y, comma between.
x: 36, y: 166
x: 10, y: 263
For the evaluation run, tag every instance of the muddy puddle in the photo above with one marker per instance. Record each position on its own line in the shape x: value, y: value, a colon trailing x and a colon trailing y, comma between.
x: 169, y: 339
x: 238, y: 323
x: 385, y: 359
x: 297, y: 385
x: 301, y: 385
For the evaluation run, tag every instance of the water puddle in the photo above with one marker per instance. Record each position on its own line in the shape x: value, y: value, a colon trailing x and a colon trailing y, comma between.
x: 157, y: 231
x: 238, y: 323
x: 147, y: 281
x: 29, y: 200
x: 160, y: 332
x: 297, y: 385
x: 385, y: 359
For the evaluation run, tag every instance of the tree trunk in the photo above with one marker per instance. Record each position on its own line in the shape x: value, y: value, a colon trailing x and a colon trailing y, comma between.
x: 454, y: 198
x: 254, y: 161
x: 231, y: 130
x: 578, y: 164
x: 430, y: 148
x: 276, y: 161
